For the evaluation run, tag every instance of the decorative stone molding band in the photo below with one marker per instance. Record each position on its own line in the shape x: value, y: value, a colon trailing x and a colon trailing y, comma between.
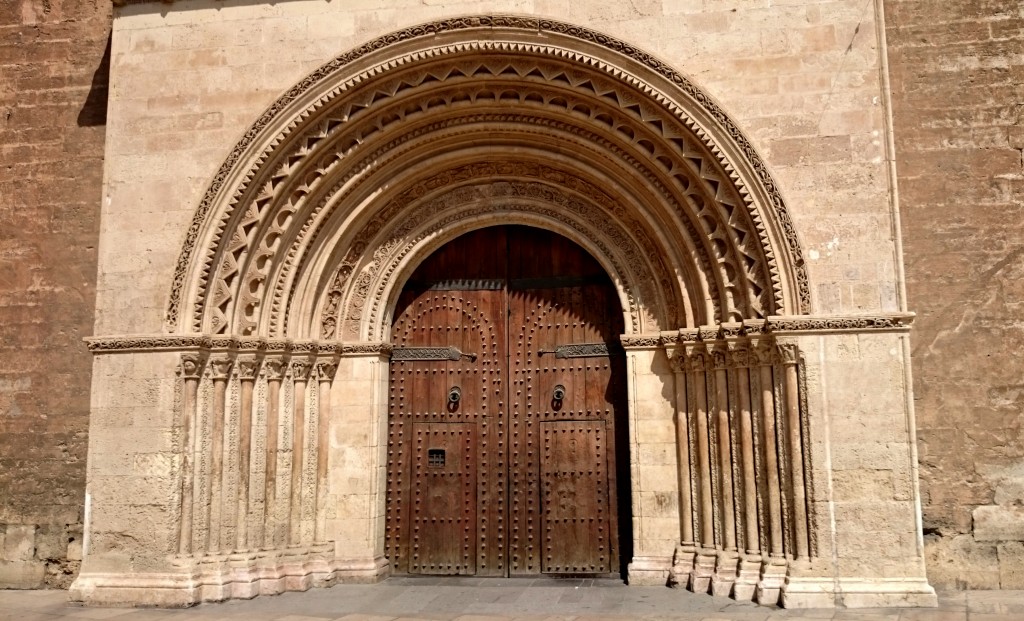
x: 795, y: 324
x: 202, y: 342
x: 744, y: 468
x: 245, y: 420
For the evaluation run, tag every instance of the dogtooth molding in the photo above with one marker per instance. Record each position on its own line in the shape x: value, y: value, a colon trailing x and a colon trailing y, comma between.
x: 312, y: 163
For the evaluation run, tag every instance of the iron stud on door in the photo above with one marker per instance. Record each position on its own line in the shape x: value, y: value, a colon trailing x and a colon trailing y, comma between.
x: 507, y: 463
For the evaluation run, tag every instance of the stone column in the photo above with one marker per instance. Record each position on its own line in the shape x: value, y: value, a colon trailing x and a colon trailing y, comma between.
x: 248, y: 368
x: 221, y: 367
x: 325, y: 370
x: 773, y: 572
x: 191, y: 371
x: 300, y: 375
x: 682, y: 563
x: 728, y: 558
x: 704, y: 564
x: 789, y: 354
x: 272, y: 533
x: 750, y: 555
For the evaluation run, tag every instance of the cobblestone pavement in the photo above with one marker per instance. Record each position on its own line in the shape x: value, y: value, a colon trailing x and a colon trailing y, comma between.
x: 408, y: 599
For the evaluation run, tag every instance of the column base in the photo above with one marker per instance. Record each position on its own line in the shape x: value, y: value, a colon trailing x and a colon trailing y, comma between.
x: 649, y: 571
x: 747, y: 574
x: 703, y: 570
x: 857, y: 593
x: 886, y: 593
x: 682, y: 565
x: 725, y: 574
x: 773, y: 576
x: 218, y: 578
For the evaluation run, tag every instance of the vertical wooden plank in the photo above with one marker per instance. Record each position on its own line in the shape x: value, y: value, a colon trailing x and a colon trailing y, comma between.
x: 574, y: 520
x: 504, y: 398
x: 444, y: 489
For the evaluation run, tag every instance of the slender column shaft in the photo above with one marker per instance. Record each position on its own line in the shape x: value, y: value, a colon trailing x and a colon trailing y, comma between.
x: 683, y: 457
x: 221, y: 372
x: 707, y: 524
x: 725, y: 459
x: 325, y: 373
x: 771, y: 462
x: 752, y: 542
x: 191, y: 369
x: 248, y: 368
x: 300, y: 371
x: 275, y: 373
x: 796, y: 459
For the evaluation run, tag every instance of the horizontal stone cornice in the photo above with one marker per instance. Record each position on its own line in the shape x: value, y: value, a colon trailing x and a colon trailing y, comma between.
x: 205, y: 342
x: 794, y: 325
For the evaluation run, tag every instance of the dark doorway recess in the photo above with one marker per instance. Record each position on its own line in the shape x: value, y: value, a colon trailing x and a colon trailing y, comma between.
x: 507, y: 430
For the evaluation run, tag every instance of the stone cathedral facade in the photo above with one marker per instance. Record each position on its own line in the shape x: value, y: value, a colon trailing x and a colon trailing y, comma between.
x: 512, y: 288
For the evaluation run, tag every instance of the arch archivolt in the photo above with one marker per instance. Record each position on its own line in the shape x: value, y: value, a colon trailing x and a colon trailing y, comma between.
x: 596, y: 172
x: 367, y: 282
x: 333, y: 153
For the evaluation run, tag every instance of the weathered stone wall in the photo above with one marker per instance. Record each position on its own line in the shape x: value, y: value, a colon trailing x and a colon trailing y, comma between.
x: 959, y: 110
x: 802, y: 78
x: 957, y: 71
x: 53, y: 81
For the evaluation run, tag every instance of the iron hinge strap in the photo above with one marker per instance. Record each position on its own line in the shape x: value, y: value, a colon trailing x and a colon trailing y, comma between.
x: 407, y: 354
x: 583, y: 350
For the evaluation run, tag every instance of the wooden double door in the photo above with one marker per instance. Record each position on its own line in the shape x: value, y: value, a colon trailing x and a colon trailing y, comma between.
x: 506, y: 434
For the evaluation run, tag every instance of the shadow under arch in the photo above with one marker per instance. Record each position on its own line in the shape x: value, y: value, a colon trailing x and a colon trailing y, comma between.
x: 526, y: 311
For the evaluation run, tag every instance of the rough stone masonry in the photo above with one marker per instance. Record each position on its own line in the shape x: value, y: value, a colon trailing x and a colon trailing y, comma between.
x: 957, y: 76
x: 53, y: 96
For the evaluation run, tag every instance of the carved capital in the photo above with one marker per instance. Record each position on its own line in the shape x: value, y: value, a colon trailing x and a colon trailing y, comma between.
x: 325, y: 370
x: 688, y: 335
x: 641, y: 341
x: 305, y: 347
x: 248, y: 367
x: 753, y: 327
x: 764, y: 353
x: 220, y: 367
x: 276, y: 368
x: 697, y: 361
x: 739, y: 355
x: 731, y: 330
x: 192, y: 365
x: 720, y: 358
x: 250, y: 344
x: 300, y: 369
x: 277, y: 346
x: 788, y: 353
x: 707, y: 333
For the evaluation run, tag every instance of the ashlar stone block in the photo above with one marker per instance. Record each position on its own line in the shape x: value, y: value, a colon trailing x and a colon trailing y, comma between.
x: 999, y: 523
